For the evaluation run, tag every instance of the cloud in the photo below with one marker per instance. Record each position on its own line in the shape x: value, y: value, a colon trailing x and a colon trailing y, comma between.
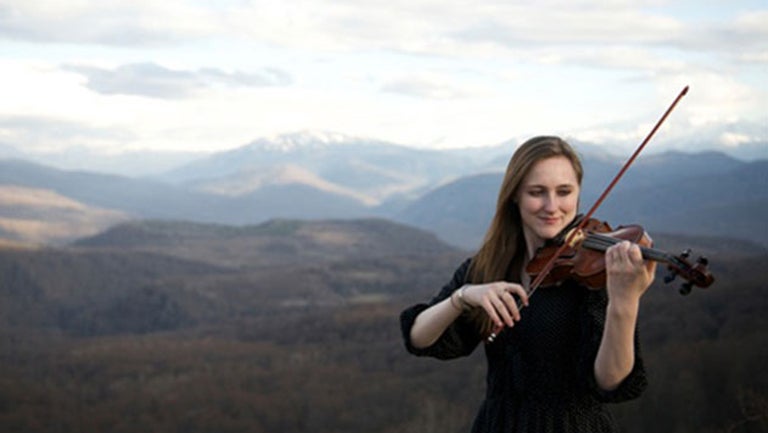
x: 734, y: 139
x: 643, y: 38
x: 452, y: 27
x: 45, y: 134
x: 523, y: 27
x: 426, y: 26
x: 490, y: 65
x: 422, y: 86
x: 106, y: 22
x: 447, y: 27
x: 153, y: 80
x: 746, y: 31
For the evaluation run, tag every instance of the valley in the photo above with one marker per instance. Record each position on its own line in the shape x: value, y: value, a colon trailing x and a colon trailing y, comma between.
x: 292, y: 326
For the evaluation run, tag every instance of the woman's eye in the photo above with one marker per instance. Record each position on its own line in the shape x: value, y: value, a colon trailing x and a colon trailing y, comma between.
x: 564, y: 192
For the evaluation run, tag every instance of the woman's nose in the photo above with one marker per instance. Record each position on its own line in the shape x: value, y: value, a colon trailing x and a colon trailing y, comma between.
x: 550, y: 202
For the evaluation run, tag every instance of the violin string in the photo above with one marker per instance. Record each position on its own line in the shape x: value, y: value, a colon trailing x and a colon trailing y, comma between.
x: 602, y: 242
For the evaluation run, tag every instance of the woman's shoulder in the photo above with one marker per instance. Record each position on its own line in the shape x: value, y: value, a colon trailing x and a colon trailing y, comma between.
x: 461, y: 274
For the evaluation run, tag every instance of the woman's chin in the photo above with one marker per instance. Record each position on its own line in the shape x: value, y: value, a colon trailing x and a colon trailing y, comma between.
x: 548, y: 232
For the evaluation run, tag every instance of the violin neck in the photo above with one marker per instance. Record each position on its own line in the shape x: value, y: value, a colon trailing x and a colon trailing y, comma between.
x: 598, y: 242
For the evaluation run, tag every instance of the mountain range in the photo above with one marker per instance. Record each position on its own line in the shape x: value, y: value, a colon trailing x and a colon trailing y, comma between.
x: 324, y: 175
x: 292, y: 326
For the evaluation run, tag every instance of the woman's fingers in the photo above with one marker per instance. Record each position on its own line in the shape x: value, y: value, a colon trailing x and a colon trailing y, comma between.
x: 491, y: 310
x: 627, y: 269
x: 500, y: 304
x: 519, y: 291
x: 635, y: 255
x: 624, y: 255
x: 504, y: 310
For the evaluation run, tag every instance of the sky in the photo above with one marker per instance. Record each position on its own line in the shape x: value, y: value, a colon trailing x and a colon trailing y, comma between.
x: 212, y: 75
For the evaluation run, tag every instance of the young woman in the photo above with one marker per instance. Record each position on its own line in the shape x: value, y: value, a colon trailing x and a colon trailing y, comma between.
x: 570, y: 349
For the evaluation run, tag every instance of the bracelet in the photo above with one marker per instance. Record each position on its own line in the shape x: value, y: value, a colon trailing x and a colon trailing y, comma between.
x: 462, y: 302
x: 458, y: 307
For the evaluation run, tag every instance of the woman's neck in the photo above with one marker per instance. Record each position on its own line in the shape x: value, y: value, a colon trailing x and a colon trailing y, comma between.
x: 532, y: 244
x: 530, y: 251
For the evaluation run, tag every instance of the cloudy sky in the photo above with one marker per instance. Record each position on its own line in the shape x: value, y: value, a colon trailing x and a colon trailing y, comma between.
x: 209, y: 75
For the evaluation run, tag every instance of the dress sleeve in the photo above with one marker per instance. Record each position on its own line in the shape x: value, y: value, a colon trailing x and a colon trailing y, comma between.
x: 592, y: 332
x: 459, y: 339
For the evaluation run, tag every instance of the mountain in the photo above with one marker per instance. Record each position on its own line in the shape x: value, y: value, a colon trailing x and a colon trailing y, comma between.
x: 152, y: 198
x: 743, y: 139
x: 451, y: 192
x: 137, y: 197
x: 151, y: 276
x: 44, y: 216
x: 731, y: 200
x: 9, y: 151
x: 279, y: 240
x: 458, y: 212
x: 370, y: 171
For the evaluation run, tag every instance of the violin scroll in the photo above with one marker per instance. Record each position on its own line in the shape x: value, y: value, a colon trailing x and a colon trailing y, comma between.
x: 695, y: 275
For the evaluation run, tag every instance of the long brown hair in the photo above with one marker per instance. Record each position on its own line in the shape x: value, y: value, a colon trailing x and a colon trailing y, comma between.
x: 502, y: 252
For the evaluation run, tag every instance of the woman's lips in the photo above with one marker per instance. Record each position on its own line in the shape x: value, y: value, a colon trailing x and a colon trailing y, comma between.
x: 550, y: 221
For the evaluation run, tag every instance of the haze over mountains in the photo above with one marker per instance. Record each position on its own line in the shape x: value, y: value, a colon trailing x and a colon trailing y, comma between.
x: 321, y: 176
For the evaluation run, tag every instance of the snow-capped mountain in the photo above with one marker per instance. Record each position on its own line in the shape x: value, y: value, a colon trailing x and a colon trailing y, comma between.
x: 373, y: 171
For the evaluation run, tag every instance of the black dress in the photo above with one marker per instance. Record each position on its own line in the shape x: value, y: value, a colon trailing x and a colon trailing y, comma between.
x: 540, y: 372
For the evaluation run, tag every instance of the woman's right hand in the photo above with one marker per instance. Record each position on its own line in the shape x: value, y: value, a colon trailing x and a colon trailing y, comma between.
x: 497, y: 300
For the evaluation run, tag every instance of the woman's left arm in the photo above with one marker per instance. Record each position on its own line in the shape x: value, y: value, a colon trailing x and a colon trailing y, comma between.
x: 628, y: 277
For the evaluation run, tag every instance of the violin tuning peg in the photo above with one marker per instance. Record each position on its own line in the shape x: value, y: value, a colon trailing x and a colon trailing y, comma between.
x: 703, y: 261
x: 686, y: 288
x: 685, y: 253
x: 670, y: 277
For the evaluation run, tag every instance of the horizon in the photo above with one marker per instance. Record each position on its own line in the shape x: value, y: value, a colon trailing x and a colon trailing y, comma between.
x: 201, y: 76
x: 308, y: 139
x: 305, y: 144
x: 151, y: 162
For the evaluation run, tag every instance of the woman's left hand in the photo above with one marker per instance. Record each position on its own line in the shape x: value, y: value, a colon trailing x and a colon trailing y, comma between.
x: 628, y: 274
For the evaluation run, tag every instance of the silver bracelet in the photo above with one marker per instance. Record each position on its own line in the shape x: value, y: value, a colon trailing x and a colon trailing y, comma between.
x: 459, y: 307
x: 464, y: 305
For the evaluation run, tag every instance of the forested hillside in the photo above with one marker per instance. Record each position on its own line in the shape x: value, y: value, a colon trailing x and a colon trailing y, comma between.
x: 293, y: 326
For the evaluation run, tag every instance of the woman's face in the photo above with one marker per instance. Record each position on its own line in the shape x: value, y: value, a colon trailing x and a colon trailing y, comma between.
x: 548, y: 199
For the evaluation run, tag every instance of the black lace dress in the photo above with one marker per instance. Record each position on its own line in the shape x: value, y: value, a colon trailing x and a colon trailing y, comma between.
x: 540, y: 372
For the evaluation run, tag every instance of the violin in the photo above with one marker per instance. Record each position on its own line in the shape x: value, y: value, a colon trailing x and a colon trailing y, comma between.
x: 583, y: 259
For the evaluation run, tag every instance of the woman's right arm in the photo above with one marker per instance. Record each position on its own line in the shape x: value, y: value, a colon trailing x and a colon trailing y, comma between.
x: 495, y: 298
x: 432, y: 322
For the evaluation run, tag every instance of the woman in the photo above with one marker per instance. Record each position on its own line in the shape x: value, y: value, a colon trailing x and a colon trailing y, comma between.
x: 570, y: 349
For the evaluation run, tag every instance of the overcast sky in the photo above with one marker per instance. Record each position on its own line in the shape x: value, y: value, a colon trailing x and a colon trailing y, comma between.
x: 216, y: 74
